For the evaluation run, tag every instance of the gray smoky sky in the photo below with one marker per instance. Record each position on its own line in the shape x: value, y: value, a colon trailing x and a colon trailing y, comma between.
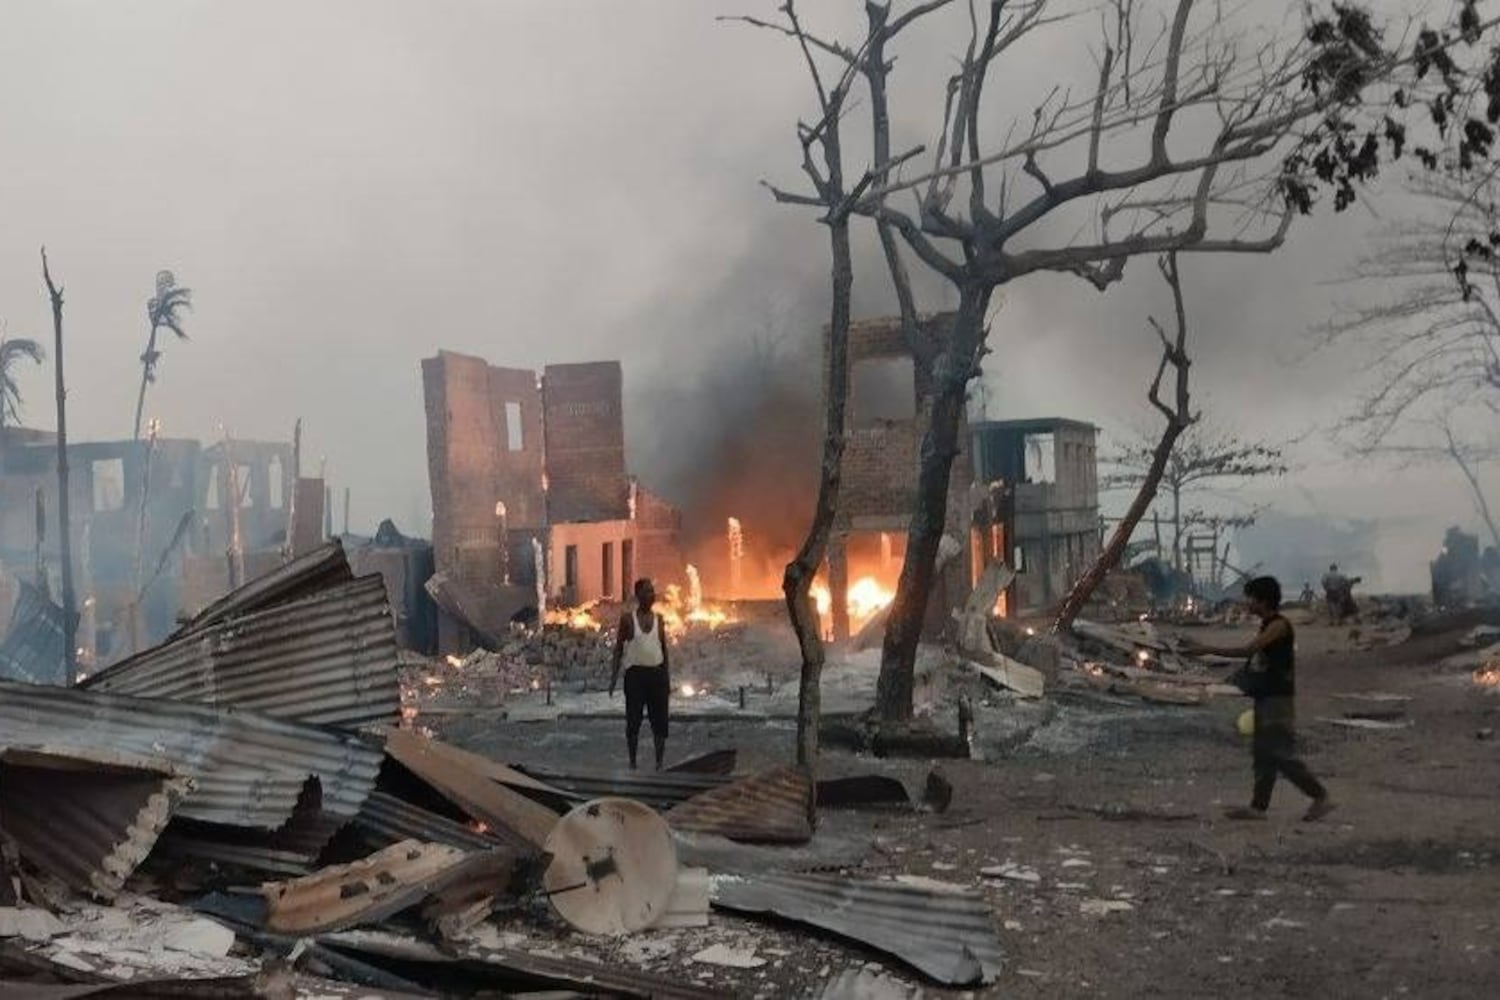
x: 350, y: 186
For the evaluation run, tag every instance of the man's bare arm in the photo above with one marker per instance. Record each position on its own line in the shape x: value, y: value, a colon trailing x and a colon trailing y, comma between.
x: 1277, y: 631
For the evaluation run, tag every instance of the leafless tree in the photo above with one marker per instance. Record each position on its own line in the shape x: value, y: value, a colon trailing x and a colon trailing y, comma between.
x: 1444, y: 439
x: 1206, y: 454
x: 65, y: 522
x: 1427, y: 317
x: 1179, y: 416
x: 1204, y: 136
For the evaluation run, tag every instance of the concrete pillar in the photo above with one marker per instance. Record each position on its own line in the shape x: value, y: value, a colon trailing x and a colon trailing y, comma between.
x: 838, y: 586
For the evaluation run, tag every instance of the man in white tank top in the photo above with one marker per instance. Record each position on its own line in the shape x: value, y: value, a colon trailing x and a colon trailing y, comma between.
x: 641, y: 647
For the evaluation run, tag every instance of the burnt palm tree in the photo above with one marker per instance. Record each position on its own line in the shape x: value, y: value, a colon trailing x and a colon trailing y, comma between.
x: 163, y: 311
x: 12, y: 351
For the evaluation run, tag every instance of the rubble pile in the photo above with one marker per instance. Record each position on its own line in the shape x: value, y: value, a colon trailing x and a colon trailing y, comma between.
x: 239, y: 812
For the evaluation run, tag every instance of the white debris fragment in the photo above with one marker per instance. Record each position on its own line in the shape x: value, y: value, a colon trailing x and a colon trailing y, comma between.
x: 1103, y: 907
x: 1012, y: 872
x: 731, y: 958
x: 30, y: 924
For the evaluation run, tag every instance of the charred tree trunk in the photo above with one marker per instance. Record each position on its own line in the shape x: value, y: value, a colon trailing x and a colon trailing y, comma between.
x: 64, y: 517
x: 797, y: 581
x: 1179, y: 418
x: 952, y: 370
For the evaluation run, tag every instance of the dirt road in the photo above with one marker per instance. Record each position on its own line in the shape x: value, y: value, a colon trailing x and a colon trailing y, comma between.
x: 1396, y: 894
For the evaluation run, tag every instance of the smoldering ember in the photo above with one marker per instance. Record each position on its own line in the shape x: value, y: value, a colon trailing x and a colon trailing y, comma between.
x: 750, y: 498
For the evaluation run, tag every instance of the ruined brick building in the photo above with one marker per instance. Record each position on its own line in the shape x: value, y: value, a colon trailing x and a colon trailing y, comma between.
x: 1024, y: 492
x: 519, y: 463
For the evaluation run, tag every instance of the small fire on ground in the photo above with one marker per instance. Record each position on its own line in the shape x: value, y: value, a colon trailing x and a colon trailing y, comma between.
x: 1488, y: 676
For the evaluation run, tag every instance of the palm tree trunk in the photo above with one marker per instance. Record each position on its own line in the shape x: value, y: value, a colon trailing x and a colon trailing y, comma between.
x: 65, y: 526
x: 140, y: 402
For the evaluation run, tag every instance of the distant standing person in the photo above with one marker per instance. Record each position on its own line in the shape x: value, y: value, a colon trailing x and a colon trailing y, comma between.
x: 1336, y: 591
x: 1270, y: 681
x: 641, y: 647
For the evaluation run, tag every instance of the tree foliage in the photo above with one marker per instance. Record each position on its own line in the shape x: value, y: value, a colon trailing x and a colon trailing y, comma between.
x: 14, y: 350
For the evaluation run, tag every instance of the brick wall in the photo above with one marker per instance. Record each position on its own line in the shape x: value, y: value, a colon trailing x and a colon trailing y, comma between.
x: 585, y: 442
x: 658, y: 554
x: 470, y: 468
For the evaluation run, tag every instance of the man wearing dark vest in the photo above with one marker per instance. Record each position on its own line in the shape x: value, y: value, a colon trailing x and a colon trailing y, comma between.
x: 1269, y: 678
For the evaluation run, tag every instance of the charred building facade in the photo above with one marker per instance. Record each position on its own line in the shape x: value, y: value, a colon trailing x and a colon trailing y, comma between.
x: 1047, y: 471
x: 522, y: 463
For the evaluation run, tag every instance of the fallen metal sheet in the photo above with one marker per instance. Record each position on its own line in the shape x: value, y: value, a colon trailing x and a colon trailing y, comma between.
x: 329, y: 659
x: 487, y: 611
x: 384, y: 820
x: 688, y: 904
x: 774, y: 806
x: 34, y: 643
x: 304, y: 576
x: 248, y: 768
x: 89, y: 819
x: 478, y: 796
x: 660, y: 790
x: 826, y: 852
x: 1367, y: 723
x: 374, y: 888
x: 862, y: 790
x: 479, y: 764
x: 713, y: 762
x: 945, y: 932
x: 251, y: 857
x: 513, y: 969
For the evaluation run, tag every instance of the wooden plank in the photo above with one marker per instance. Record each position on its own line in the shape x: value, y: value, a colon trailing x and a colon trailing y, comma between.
x: 475, y: 793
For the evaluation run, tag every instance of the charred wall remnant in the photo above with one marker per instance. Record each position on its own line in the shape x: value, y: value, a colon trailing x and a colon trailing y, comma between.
x: 1051, y: 468
x: 889, y: 400
x: 516, y: 457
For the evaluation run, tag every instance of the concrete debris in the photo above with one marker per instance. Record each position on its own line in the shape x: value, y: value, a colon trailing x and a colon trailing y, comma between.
x: 689, y: 903
x: 1104, y: 907
x: 31, y: 924
x: 728, y: 957
x: 867, y: 984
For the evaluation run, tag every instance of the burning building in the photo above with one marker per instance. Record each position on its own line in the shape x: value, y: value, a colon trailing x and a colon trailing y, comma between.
x: 1048, y: 468
x: 888, y: 398
x: 530, y: 490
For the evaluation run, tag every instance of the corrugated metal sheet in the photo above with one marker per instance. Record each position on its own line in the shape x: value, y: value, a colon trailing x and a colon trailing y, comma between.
x: 389, y: 820
x: 516, y: 970
x: 659, y: 790
x: 249, y: 768
x: 318, y: 570
x: 33, y: 646
x: 87, y: 820
x: 508, y: 813
x: 329, y: 659
x: 947, y: 933
x: 773, y: 806
x: 713, y: 762
x: 252, y: 857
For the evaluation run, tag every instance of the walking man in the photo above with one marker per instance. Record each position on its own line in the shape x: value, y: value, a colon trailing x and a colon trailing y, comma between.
x: 1269, y: 678
x: 641, y: 647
